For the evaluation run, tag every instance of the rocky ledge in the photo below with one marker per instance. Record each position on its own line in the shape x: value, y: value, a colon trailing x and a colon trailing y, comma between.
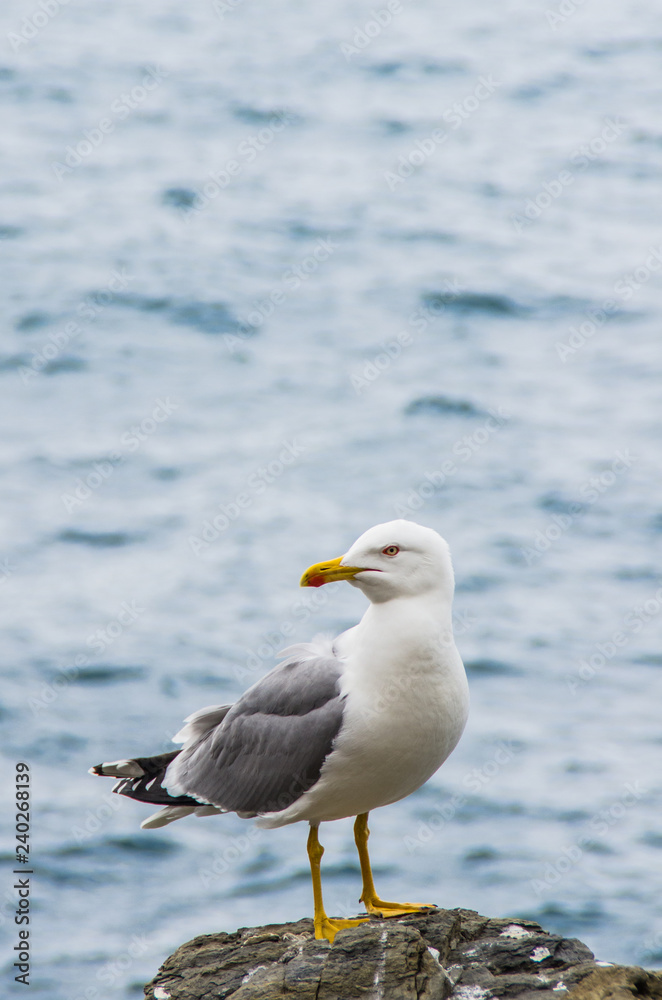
x: 441, y: 954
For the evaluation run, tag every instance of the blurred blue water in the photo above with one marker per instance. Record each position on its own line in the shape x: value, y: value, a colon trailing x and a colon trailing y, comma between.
x: 300, y: 273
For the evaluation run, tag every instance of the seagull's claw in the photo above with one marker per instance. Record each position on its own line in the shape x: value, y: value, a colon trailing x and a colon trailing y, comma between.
x: 326, y: 928
x: 377, y: 907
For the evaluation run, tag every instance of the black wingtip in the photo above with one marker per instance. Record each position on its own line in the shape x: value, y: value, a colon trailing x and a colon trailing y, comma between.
x: 97, y: 769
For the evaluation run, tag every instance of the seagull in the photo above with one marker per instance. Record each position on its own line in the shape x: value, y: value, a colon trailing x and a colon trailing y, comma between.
x: 340, y: 726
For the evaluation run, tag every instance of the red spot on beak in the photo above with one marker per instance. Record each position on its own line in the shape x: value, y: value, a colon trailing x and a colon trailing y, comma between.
x: 317, y: 581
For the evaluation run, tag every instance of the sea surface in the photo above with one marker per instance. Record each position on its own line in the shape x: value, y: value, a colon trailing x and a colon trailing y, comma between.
x: 274, y: 273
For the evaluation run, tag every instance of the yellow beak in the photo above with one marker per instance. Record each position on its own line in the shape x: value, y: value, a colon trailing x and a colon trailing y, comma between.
x: 327, y: 572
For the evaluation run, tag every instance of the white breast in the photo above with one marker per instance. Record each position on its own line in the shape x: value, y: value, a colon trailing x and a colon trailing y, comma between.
x: 406, y: 707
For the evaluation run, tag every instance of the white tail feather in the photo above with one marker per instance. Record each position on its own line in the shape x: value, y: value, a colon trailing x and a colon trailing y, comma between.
x: 119, y: 769
x: 209, y: 811
x: 165, y: 816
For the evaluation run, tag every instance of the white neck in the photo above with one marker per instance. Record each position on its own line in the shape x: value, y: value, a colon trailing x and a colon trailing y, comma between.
x: 405, y: 630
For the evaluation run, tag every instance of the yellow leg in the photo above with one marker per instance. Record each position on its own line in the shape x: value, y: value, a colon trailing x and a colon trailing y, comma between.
x: 324, y: 926
x: 374, y: 905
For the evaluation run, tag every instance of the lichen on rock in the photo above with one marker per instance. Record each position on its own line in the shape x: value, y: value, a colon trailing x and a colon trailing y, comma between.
x: 433, y: 956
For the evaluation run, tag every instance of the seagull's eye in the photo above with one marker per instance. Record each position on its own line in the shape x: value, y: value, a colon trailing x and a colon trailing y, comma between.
x: 390, y: 550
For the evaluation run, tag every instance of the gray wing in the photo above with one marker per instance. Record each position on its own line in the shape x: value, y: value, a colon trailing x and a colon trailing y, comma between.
x: 270, y: 747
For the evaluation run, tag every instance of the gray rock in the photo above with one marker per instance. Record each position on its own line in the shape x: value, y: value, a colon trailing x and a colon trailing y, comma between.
x: 438, y: 955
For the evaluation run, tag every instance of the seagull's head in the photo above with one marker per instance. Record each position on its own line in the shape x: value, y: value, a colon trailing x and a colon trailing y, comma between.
x: 395, y: 559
